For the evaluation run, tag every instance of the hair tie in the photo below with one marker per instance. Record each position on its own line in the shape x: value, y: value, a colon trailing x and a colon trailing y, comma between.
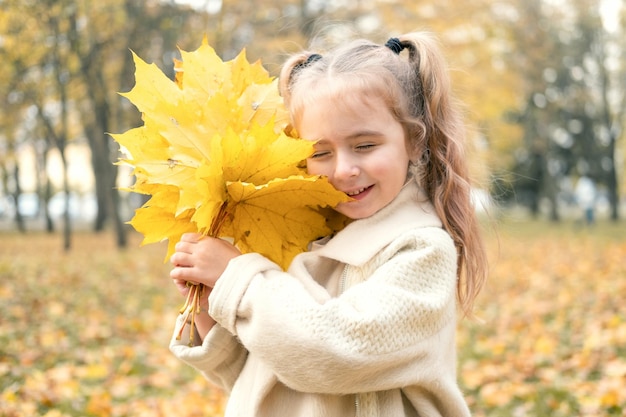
x: 311, y: 59
x: 395, y: 45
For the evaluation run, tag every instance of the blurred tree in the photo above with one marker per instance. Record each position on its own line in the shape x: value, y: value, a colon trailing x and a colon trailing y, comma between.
x: 267, y: 29
x: 605, y: 77
x: 570, y: 126
x: 55, y: 115
x: 12, y: 103
x: 24, y: 90
x: 590, y: 120
x: 68, y: 60
x: 538, y: 57
x: 101, y: 34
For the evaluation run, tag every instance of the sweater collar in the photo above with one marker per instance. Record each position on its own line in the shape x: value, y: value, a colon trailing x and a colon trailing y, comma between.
x: 358, y: 242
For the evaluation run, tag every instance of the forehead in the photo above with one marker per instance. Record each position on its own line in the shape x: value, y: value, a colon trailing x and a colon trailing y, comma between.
x: 337, y: 119
x: 345, y: 93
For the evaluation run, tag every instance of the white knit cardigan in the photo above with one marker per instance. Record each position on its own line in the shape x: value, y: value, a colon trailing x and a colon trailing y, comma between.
x: 363, y: 325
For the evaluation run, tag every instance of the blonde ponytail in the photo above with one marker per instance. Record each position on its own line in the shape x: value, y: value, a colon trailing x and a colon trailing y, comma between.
x: 444, y: 170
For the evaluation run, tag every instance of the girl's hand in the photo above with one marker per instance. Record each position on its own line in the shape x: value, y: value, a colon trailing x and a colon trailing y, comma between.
x: 184, y: 288
x: 200, y: 259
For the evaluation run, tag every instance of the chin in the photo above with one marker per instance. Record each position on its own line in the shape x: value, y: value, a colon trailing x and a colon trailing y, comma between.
x: 355, y: 214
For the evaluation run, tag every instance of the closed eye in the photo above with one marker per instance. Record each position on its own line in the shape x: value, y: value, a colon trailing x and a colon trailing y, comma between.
x: 365, y: 146
x: 319, y: 154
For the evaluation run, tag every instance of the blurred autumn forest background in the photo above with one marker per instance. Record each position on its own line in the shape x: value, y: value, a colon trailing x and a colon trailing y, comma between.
x: 544, y: 82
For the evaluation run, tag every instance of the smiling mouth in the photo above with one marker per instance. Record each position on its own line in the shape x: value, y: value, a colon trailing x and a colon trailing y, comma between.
x: 357, y: 192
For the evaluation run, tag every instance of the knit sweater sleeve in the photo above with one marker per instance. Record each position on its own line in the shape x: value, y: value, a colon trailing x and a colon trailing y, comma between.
x: 219, y: 358
x: 393, y: 329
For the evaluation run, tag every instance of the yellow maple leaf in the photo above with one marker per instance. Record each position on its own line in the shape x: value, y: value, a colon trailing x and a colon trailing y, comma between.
x: 258, y: 155
x: 215, y: 156
x: 281, y: 211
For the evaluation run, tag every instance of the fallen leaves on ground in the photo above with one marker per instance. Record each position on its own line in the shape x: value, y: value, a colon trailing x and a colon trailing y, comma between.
x: 552, y: 341
x: 86, y: 333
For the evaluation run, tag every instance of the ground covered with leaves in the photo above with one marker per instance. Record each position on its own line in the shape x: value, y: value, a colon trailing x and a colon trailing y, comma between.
x: 552, y: 341
x: 85, y: 333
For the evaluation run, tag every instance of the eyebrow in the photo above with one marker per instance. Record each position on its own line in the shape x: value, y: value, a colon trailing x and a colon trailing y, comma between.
x: 356, y: 135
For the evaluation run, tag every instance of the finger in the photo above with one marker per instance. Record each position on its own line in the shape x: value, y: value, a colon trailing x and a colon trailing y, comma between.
x: 181, y: 285
x: 186, y: 273
x: 186, y: 247
x: 179, y: 275
x: 190, y: 237
x: 181, y: 259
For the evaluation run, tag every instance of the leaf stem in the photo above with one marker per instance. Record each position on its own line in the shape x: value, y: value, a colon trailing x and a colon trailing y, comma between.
x: 192, y: 304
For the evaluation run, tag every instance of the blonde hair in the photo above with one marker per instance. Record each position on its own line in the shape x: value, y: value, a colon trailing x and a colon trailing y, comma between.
x: 418, y: 93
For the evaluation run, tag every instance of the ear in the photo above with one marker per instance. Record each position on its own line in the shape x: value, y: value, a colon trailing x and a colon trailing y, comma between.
x: 414, y: 156
x: 415, y: 143
x: 413, y: 150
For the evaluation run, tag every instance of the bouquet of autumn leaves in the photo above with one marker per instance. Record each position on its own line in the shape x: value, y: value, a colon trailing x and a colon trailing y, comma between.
x: 216, y: 156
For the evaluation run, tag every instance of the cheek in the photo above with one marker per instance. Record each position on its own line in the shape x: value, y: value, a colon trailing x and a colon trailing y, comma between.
x: 395, y: 173
x: 315, y: 168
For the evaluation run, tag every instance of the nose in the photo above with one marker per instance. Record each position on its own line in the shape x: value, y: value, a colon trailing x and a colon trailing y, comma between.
x: 346, y: 166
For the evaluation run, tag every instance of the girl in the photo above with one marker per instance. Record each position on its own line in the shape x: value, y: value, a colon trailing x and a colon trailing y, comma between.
x: 364, y: 323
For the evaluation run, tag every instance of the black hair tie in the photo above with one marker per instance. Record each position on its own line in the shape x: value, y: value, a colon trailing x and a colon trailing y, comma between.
x: 311, y: 59
x: 395, y: 45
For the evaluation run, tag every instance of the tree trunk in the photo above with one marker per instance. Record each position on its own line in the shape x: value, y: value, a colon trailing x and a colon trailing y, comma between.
x: 612, y: 183
x: 19, y: 219
x: 67, y: 225
x: 100, y: 174
x: 47, y: 194
x: 105, y: 172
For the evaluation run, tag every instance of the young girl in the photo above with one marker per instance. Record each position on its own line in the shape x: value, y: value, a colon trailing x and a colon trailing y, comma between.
x: 364, y: 323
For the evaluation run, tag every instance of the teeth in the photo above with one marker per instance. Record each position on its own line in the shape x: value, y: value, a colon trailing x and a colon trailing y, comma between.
x: 359, y: 191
